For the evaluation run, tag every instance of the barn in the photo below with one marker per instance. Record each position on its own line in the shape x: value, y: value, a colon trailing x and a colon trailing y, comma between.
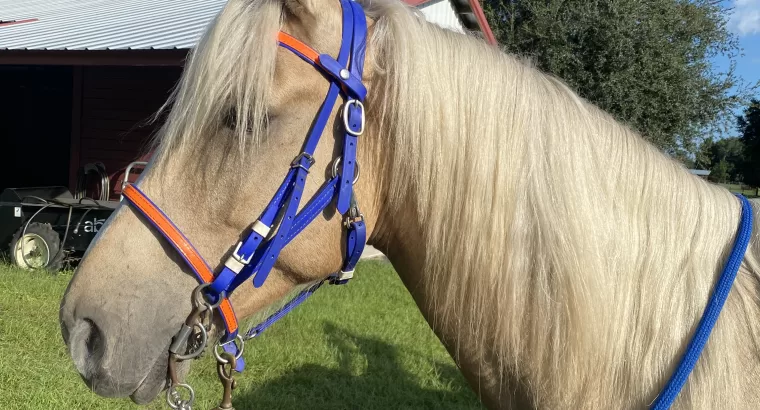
x: 81, y: 78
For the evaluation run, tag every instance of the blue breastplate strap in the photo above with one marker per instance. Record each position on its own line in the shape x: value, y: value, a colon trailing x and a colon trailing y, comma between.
x: 669, y: 393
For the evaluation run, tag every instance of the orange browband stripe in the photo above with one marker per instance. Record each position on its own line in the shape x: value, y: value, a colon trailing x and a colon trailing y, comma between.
x: 299, y: 46
x: 182, y: 245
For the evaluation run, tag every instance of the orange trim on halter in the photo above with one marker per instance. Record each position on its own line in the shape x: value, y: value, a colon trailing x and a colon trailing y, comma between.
x: 182, y: 245
x: 299, y: 46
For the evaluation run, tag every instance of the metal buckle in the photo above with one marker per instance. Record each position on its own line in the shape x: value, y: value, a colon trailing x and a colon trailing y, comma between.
x: 346, y: 275
x: 345, y: 117
x: 239, y: 258
x: 351, y: 219
x: 235, y: 262
x: 297, y: 161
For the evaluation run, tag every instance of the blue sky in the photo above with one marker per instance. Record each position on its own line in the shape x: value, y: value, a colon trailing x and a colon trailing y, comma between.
x: 744, y: 21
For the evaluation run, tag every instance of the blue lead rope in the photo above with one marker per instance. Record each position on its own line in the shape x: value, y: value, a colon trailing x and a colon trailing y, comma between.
x: 280, y: 313
x: 714, y: 306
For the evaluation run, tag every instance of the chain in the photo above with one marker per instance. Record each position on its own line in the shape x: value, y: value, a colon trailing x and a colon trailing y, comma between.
x: 192, y: 344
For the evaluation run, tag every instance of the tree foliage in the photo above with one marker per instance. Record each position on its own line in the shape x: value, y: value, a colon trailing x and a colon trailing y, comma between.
x: 749, y: 128
x: 647, y: 62
x: 724, y: 158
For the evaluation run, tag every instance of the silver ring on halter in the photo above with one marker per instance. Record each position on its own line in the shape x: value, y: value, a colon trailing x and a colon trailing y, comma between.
x: 237, y: 356
x: 201, y: 348
x: 202, y: 299
x: 335, y: 169
x: 359, y: 104
x: 175, y: 401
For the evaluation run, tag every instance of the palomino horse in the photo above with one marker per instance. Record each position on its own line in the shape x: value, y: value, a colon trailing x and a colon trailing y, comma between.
x: 562, y: 260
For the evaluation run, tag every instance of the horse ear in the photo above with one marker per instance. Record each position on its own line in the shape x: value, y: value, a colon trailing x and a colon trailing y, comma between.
x: 303, y: 9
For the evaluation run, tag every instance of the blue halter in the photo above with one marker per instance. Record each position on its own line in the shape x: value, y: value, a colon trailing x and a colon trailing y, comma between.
x: 255, y: 256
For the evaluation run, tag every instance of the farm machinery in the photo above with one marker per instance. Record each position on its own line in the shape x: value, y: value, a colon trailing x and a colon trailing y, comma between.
x: 48, y: 227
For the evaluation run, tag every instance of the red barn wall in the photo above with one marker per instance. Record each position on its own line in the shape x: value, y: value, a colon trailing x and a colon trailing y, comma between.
x: 115, y: 107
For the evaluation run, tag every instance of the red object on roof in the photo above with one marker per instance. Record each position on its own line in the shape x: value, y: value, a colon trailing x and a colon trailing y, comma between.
x: 11, y: 23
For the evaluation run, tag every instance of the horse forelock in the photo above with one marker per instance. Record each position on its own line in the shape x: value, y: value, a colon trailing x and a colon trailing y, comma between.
x: 224, y: 89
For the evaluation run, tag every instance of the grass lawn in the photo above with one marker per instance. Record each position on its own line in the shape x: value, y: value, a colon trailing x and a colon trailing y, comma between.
x: 736, y: 188
x: 359, y: 346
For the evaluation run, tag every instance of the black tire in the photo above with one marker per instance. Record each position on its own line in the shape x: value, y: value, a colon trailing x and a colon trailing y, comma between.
x: 43, y: 235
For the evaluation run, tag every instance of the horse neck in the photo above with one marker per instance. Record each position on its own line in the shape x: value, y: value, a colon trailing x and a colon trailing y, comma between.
x: 578, y: 258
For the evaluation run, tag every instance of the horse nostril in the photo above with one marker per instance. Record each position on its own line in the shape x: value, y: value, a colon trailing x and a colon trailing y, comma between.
x: 87, y: 346
x: 94, y: 343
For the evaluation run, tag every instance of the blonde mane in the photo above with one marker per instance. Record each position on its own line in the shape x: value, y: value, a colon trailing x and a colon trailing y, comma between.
x: 585, y: 253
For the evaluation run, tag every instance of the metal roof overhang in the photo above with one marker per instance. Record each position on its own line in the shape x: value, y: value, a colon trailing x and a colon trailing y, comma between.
x: 145, y: 32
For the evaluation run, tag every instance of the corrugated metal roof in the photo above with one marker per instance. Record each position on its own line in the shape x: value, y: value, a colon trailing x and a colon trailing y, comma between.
x: 130, y: 24
x: 442, y: 13
x: 105, y: 24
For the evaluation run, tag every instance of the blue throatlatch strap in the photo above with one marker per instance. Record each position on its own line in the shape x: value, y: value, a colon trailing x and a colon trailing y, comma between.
x: 712, y: 311
x: 356, y: 237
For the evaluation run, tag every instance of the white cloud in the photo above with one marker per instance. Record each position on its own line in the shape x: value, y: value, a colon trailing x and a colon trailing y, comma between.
x: 745, y: 19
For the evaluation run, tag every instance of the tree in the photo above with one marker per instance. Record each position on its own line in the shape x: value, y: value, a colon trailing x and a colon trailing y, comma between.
x: 719, y: 172
x: 647, y: 62
x: 703, y: 157
x: 724, y: 158
x: 749, y: 129
x: 728, y: 154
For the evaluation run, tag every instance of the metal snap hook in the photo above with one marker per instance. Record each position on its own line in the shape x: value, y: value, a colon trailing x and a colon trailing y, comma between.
x: 241, y: 346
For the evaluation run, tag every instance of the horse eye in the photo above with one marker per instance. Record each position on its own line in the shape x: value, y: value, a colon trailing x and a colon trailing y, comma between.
x: 230, y: 120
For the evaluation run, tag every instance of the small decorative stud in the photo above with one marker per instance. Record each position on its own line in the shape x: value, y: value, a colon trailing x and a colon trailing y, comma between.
x: 344, y: 74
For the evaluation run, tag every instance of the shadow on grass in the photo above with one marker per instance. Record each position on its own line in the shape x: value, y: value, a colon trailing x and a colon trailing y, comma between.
x: 382, y: 382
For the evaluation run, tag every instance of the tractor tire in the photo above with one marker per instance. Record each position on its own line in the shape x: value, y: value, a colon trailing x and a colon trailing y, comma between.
x: 38, y: 250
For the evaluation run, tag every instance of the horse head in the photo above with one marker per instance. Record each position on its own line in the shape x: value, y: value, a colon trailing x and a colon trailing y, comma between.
x: 251, y: 109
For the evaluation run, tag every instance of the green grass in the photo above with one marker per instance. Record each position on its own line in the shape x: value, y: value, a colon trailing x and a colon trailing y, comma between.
x: 736, y: 188
x: 360, y: 346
